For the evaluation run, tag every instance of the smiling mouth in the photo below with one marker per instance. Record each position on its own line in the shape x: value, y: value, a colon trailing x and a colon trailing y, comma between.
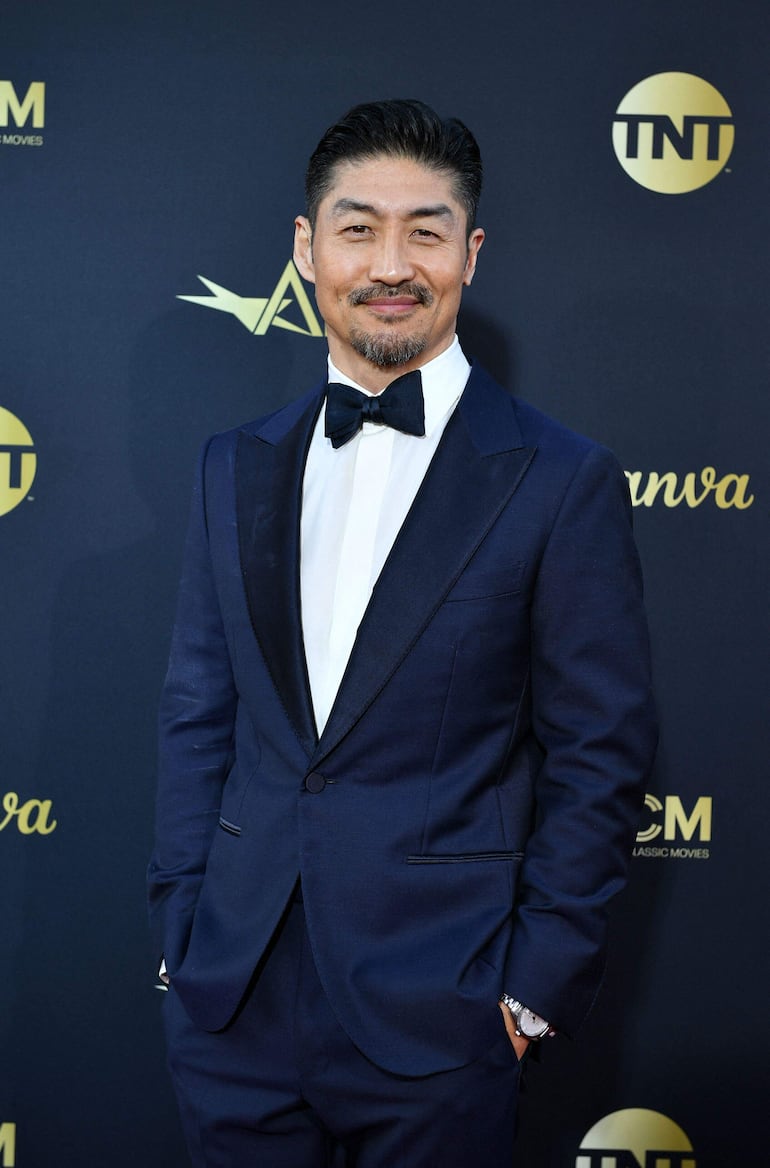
x: 392, y: 306
x: 386, y: 301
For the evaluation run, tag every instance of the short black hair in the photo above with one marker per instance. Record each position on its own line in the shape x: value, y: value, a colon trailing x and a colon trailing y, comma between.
x: 400, y: 128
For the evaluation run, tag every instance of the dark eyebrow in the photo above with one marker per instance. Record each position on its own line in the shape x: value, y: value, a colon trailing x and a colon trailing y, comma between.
x: 344, y: 205
x: 436, y: 210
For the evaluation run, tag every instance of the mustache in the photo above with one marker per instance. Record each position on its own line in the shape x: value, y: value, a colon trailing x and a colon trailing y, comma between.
x: 417, y: 292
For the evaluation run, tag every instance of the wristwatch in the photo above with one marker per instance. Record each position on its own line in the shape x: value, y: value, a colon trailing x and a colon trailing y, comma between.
x: 528, y: 1024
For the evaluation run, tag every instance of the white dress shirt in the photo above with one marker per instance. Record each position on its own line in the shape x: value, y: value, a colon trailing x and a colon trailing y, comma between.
x: 354, y: 501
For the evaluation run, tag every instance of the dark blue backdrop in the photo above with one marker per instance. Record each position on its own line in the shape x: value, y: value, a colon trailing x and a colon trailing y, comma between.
x: 173, y: 145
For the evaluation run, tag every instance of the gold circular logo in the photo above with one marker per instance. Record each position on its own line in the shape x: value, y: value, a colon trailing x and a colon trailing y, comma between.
x: 649, y: 833
x: 18, y: 461
x: 673, y: 133
x: 648, y: 1136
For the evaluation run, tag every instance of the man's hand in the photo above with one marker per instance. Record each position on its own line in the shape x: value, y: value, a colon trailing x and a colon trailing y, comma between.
x: 518, y: 1041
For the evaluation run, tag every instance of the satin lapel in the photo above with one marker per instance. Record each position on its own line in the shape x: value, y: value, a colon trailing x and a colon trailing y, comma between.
x: 477, y: 467
x: 269, y: 471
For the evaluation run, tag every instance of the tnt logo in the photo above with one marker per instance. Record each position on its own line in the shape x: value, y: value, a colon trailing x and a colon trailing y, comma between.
x: 673, y: 133
x: 18, y: 461
x: 33, y: 103
x: 635, y: 1138
x: 676, y: 822
x: 7, y: 1145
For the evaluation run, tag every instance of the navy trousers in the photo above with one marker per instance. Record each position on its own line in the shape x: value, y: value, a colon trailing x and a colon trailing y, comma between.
x: 284, y: 1087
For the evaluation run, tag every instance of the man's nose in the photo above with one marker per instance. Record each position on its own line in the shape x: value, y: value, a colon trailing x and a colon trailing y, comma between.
x: 390, y: 262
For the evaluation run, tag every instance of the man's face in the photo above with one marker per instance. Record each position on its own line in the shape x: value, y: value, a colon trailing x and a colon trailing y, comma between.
x: 389, y: 257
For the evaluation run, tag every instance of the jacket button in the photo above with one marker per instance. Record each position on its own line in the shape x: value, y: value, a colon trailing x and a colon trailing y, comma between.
x: 315, y: 783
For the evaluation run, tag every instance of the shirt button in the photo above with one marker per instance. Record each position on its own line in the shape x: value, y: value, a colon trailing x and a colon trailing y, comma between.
x: 315, y: 783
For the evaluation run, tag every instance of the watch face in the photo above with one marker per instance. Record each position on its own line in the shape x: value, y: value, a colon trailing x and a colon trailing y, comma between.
x: 531, y: 1025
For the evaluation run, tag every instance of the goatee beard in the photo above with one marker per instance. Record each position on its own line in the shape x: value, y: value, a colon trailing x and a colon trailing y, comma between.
x: 382, y: 349
x: 387, y: 352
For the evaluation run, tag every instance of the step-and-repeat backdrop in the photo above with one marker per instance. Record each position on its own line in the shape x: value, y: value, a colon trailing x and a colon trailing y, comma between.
x: 151, y: 163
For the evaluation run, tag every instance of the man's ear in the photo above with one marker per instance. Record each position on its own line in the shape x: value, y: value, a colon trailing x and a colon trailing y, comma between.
x: 303, y: 250
x: 475, y: 240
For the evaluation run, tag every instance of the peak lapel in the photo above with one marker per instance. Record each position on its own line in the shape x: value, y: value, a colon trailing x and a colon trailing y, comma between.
x: 269, y: 471
x: 478, y: 465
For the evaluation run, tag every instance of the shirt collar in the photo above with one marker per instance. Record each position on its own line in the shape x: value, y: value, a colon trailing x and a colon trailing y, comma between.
x: 443, y: 381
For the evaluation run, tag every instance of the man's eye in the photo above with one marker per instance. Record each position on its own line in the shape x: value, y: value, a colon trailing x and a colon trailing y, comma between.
x: 424, y: 233
x: 357, y: 229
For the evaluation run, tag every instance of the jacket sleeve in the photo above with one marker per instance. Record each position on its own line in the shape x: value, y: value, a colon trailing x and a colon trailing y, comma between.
x: 593, y: 718
x: 196, y: 727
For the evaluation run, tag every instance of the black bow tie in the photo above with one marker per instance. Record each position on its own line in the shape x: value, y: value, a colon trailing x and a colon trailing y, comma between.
x: 399, y: 406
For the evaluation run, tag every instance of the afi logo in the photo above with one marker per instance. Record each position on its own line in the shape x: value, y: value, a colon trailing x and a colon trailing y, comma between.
x: 33, y: 103
x: 258, y: 313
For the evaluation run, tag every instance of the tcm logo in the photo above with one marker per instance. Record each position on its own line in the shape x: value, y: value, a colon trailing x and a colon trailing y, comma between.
x: 673, y: 133
x: 635, y: 1138
x: 259, y: 313
x: 677, y: 825
x: 33, y: 102
x: 18, y: 461
x: 7, y: 1145
x: 676, y: 821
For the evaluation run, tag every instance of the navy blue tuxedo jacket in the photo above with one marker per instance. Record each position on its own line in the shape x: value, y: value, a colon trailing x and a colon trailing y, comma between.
x: 469, y: 810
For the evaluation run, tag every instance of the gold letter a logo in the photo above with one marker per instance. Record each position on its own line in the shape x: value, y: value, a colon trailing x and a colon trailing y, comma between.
x: 258, y: 313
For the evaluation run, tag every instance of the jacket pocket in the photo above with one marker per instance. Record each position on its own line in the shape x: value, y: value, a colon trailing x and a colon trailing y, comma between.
x: 486, y: 583
x: 231, y: 828
x: 462, y: 857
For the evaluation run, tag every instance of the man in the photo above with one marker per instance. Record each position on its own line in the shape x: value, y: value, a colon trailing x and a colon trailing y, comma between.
x: 407, y: 719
